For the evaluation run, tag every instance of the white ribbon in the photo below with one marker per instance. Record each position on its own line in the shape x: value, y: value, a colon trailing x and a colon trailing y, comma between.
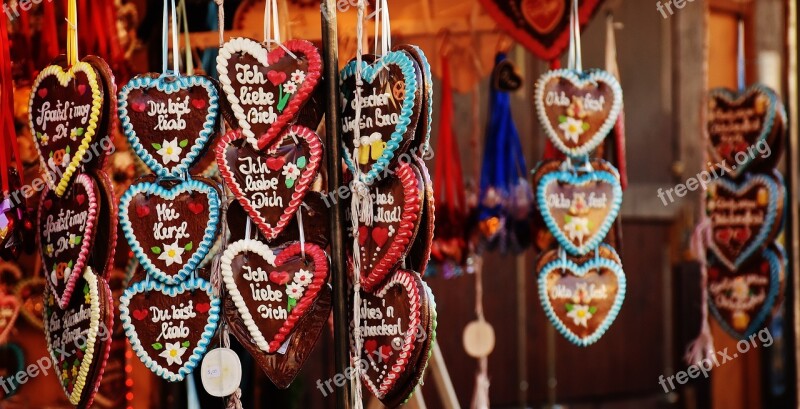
x: 165, y: 39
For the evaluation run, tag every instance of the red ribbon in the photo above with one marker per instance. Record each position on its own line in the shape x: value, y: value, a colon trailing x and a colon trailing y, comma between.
x: 49, y: 36
x: 448, y: 177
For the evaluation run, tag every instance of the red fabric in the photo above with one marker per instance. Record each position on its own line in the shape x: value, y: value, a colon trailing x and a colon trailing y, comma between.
x: 7, y: 103
x: 49, y: 36
x: 448, y: 177
x: 25, y: 31
x: 619, y: 141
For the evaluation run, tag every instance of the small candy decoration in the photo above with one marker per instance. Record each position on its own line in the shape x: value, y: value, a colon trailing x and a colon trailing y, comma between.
x: 577, y: 109
x: 742, y: 299
x: 170, y: 226
x: 78, y: 337
x: 273, y: 292
x: 581, y: 296
x: 170, y: 327
x: 390, y: 112
x: 385, y: 235
x: 64, y: 111
x: 579, y: 208
x: 266, y: 89
x: 168, y: 119
x: 66, y: 235
x: 271, y: 184
x: 744, y: 217
x: 741, y: 121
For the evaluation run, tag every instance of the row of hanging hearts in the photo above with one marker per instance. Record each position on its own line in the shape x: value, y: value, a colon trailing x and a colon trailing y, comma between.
x: 745, y: 208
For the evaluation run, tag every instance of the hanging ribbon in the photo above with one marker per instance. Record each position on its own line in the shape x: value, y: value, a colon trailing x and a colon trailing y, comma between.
x: 740, y: 67
x: 72, y: 33
x: 619, y: 129
x: 480, y: 397
x: 167, y: 16
x: 703, y: 346
x: 574, y: 54
x: 187, y: 46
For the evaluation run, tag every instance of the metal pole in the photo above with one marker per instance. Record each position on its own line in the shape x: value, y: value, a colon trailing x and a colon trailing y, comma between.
x: 330, y: 53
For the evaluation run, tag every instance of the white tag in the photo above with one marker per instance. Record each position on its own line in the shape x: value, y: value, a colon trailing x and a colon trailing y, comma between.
x: 285, y: 346
x: 221, y: 372
x: 478, y: 339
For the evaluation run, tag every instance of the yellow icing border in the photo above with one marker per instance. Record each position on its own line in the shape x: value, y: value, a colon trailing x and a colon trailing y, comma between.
x: 64, y: 78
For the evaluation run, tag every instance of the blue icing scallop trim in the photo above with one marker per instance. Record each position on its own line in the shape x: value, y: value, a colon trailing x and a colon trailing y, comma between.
x: 573, y: 179
x: 766, y: 309
x: 209, y: 236
x: 769, y: 218
x: 176, y: 84
x: 426, y: 73
x: 580, y: 271
x: 205, y: 339
x: 769, y: 121
x: 368, y: 73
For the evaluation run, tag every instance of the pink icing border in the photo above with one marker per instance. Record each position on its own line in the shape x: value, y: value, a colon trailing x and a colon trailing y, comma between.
x: 301, y: 187
x: 86, y: 245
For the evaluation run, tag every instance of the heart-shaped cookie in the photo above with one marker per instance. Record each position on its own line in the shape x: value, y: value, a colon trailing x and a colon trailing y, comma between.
x: 270, y: 184
x: 66, y: 234
x: 420, y: 252
x: 266, y: 89
x: 169, y: 328
x: 282, y: 368
x: 738, y: 123
x: 542, y: 26
x: 105, y: 241
x: 30, y: 293
x: 581, y: 296
x: 742, y: 299
x: 385, y: 236
x: 425, y: 86
x: 78, y: 337
x: 392, y: 320
x: 744, y: 217
x: 390, y: 111
x: 64, y: 110
x: 170, y: 227
x: 9, y: 310
x: 579, y: 207
x: 272, y: 292
x: 577, y: 109
x: 168, y: 119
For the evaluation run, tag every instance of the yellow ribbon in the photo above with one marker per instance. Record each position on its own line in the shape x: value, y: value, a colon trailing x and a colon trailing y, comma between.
x: 72, y: 33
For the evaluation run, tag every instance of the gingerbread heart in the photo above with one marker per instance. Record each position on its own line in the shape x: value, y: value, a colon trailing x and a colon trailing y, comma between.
x: 315, y: 220
x: 30, y: 293
x: 271, y: 184
x: 78, y: 337
x: 744, y: 217
x: 739, y: 122
x: 579, y: 208
x: 64, y: 111
x: 390, y: 111
x: 168, y: 119
x: 170, y: 227
x: 170, y: 327
x: 742, y: 299
x: 577, y: 109
x: 9, y: 310
x: 66, y: 234
x: 386, y: 235
x: 422, y: 247
x: 282, y: 368
x: 266, y: 89
x: 272, y: 292
x: 391, y: 319
x: 422, y: 138
x: 105, y: 242
x: 581, y: 296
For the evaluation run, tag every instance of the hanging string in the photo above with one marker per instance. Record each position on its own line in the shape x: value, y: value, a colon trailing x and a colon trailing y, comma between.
x: 574, y: 60
x: 221, y: 21
x: 184, y: 18
x: 302, y: 233
x: 272, y: 31
x: 740, y: 71
x: 165, y: 38
x: 72, y: 33
x: 480, y: 398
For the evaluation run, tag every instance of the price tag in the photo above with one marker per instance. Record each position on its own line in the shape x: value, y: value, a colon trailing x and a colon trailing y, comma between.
x: 221, y: 372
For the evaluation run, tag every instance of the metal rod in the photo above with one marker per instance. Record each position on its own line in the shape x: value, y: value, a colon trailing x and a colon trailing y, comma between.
x: 330, y: 52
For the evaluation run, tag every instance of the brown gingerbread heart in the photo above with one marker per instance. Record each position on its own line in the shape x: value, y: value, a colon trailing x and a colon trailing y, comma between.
x: 316, y: 222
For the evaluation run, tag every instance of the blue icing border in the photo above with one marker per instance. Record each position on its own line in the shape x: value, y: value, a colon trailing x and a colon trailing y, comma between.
x: 368, y: 73
x: 578, y: 78
x: 426, y: 73
x: 766, y: 309
x: 573, y: 179
x: 205, y: 339
x: 769, y: 120
x: 205, y: 244
x: 580, y: 271
x: 177, y: 84
x: 769, y: 218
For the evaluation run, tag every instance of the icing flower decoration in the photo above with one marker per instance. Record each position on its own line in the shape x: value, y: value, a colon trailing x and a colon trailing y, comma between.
x: 298, y: 76
x: 573, y: 128
x: 291, y: 171
x: 43, y: 139
x: 173, y: 353
x: 171, y: 254
x: 295, y: 290
x: 59, y: 158
x: 580, y: 315
x: 170, y: 151
x: 303, y: 277
x: 577, y: 227
x: 75, y: 133
x: 290, y: 87
x: 49, y: 249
